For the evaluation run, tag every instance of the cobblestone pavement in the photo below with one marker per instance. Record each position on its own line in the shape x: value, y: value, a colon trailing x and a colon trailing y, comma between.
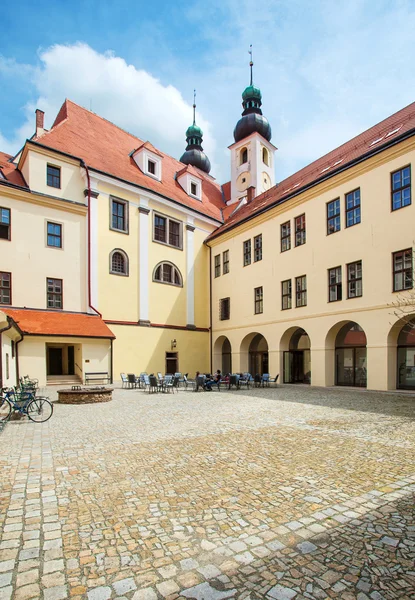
x: 282, y: 493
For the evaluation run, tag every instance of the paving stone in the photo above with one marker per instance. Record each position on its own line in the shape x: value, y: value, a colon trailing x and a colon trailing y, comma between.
x: 56, y: 593
x: 204, y: 591
x: 166, y: 588
x: 209, y: 571
x: 100, y: 593
x: 145, y: 594
x: 6, y: 593
x: 5, y: 579
x: 124, y: 585
x: 306, y: 547
x: 280, y: 592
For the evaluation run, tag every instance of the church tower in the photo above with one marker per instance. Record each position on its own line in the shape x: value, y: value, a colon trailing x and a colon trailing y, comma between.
x: 194, y: 154
x: 252, y: 154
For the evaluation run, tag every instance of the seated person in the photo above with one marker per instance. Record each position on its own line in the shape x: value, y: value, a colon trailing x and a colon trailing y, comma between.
x: 213, y: 380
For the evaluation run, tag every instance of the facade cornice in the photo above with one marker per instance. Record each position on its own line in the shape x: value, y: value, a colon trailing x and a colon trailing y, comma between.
x: 316, y: 189
x: 43, y: 200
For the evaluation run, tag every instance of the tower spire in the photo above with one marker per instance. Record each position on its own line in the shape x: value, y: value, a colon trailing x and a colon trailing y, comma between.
x: 194, y: 107
x: 251, y: 64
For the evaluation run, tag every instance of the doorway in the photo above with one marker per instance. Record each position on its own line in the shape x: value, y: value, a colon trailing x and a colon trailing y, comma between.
x: 55, y: 361
x: 351, y: 356
x: 297, y: 360
x: 258, y: 355
x: 172, y: 362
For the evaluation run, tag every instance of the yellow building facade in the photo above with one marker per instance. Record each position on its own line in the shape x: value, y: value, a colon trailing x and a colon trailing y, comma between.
x: 161, y: 269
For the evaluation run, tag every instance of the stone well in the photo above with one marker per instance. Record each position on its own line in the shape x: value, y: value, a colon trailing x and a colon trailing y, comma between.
x: 85, y: 395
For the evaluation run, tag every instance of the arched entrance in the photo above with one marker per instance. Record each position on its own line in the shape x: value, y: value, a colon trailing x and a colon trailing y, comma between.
x: 406, y: 356
x: 297, y: 359
x: 351, y: 356
x: 258, y: 355
x: 222, y: 351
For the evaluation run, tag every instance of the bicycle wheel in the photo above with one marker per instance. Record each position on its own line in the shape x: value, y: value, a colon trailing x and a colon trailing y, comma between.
x: 39, y: 410
x: 5, y: 409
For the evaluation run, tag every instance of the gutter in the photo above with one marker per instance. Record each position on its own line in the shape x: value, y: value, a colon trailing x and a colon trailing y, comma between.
x: 210, y: 312
x: 9, y: 326
x: 89, y: 238
x: 315, y: 182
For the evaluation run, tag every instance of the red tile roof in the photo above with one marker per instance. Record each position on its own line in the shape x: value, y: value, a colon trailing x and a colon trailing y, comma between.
x: 105, y: 147
x: 10, y: 171
x: 43, y: 322
x: 371, y: 140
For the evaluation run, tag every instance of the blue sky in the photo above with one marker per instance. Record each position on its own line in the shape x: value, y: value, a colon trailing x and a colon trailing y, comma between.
x: 327, y: 70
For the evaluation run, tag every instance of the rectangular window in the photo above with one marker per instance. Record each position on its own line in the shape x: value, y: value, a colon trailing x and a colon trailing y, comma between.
x: 402, y: 270
x: 354, y: 279
x: 300, y: 230
x: 285, y: 236
x: 5, y: 228
x: 53, y: 176
x: 353, y: 208
x: 5, y: 288
x: 224, y: 309
x: 226, y: 262
x: 286, y: 301
x: 167, y: 231
x: 119, y: 215
x: 160, y: 229
x: 333, y: 216
x: 174, y: 234
x: 54, y: 289
x: 259, y: 300
x: 247, y: 253
x: 217, y: 265
x: 401, y: 188
x: 335, y: 284
x: 151, y: 167
x: 257, y: 248
x: 54, y: 235
x: 301, y: 291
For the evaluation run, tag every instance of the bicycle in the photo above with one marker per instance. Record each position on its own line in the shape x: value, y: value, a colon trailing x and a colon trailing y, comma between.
x: 39, y: 410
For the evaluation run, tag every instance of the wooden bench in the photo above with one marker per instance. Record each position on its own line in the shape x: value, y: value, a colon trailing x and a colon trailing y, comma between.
x: 99, y: 376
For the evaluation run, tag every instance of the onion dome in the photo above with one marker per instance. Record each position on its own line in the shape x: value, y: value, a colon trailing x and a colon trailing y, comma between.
x: 252, y: 118
x: 194, y: 154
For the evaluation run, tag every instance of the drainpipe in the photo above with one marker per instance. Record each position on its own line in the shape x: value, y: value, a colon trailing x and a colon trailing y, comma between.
x: 89, y: 238
x: 112, y: 362
x: 9, y: 326
x: 210, y: 310
x: 16, y: 349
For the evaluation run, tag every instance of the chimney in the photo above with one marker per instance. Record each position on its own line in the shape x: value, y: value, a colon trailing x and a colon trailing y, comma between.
x: 40, y: 120
x: 251, y: 193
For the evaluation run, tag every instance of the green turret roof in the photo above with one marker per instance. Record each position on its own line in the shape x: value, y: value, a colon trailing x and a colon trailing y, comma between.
x: 251, y: 92
x: 194, y: 130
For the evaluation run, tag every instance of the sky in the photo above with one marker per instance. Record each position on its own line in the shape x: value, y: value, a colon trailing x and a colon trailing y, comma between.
x: 327, y: 70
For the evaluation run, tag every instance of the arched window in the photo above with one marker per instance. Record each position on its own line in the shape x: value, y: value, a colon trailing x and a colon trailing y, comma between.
x: 265, y: 156
x: 167, y: 272
x: 244, y: 156
x: 118, y: 262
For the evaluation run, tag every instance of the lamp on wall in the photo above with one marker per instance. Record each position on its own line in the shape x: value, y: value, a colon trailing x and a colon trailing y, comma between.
x: 173, y: 344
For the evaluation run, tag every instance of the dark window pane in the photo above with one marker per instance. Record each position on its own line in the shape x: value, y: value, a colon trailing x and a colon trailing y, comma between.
x: 401, y: 188
x: 53, y: 177
x: 160, y: 229
x: 174, y: 234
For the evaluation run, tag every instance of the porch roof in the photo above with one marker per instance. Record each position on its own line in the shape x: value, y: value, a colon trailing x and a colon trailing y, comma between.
x: 48, y: 322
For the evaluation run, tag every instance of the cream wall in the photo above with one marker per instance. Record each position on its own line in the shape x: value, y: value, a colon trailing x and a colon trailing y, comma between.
x: 380, y: 233
x: 31, y: 261
x: 32, y: 355
x: 143, y: 349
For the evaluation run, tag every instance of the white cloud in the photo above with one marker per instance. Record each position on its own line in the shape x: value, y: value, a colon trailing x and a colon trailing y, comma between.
x: 132, y: 99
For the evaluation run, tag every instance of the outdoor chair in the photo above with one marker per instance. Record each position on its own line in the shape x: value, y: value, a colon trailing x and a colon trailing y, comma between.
x: 132, y: 380
x: 257, y: 380
x: 274, y: 379
x: 145, y: 381
x: 154, y: 385
x: 199, y: 383
x: 244, y: 381
x: 265, y: 380
x: 124, y: 380
x: 233, y: 380
x: 171, y: 384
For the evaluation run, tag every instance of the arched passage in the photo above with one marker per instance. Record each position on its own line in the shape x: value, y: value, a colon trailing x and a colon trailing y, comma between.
x: 254, y: 354
x: 295, y: 345
x: 222, y: 351
x: 350, y: 356
x: 405, y: 353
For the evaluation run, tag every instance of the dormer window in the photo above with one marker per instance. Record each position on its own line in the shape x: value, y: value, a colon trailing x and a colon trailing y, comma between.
x: 151, y: 167
x: 149, y: 160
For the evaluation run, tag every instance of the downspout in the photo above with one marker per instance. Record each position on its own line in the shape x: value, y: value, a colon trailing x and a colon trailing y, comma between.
x: 9, y: 326
x: 16, y: 349
x: 210, y: 310
x: 112, y: 362
x: 89, y: 237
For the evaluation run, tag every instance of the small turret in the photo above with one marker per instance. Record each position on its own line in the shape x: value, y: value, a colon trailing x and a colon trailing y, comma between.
x: 194, y: 154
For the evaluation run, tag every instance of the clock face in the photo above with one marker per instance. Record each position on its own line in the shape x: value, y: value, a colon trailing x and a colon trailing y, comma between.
x: 266, y: 181
x: 243, y: 181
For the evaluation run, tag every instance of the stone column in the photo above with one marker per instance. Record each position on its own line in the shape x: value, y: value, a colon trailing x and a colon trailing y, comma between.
x: 190, y: 277
x: 143, y: 278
